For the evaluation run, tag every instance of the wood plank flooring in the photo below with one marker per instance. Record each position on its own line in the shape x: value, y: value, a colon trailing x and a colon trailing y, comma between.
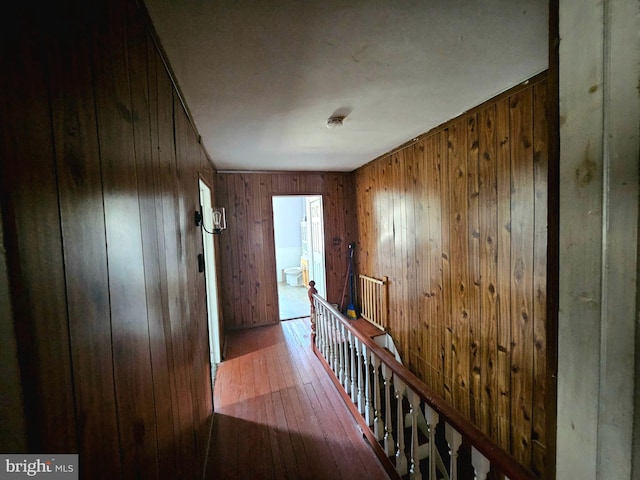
x: 278, y: 415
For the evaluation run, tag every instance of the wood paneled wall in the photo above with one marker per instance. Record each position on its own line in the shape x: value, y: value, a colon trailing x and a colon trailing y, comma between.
x: 248, y: 265
x: 99, y: 176
x: 458, y: 222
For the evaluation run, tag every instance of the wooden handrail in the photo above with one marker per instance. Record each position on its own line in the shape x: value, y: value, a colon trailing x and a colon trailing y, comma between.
x: 502, y: 460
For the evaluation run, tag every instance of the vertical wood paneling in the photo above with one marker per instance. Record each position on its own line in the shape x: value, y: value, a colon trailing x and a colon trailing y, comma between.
x: 522, y: 231
x: 401, y: 256
x: 432, y: 158
x: 447, y: 295
x: 248, y: 267
x: 142, y: 68
x: 346, y: 227
x: 387, y: 238
x: 256, y: 259
x: 32, y: 234
x: 539, y: 440
x: 473, y: 304
x: 378, y: 217
x: 223, y: 197
x: 195, y: 327
x: 329, y: 203
x: 270, y: 288
x: 457, y: 221
x: 190, y: 279
x: 413, y: 203
x: 503, y: 160
x: 364, y: 224
x: 129, y: 324
x: 394, y: 260
x: 242, y: 295
x: 258, y: 235
x: 421, y: 324
x: 85, y: 253
x: 159, y: 324
x: 169, y: 235
x: 459, y: 280
x: 487, y: 199
x: 98, y: 219
x: 248, y: 297
x: 429, y: 332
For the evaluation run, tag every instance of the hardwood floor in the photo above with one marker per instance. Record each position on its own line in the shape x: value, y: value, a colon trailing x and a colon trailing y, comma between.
x: 277, y: 414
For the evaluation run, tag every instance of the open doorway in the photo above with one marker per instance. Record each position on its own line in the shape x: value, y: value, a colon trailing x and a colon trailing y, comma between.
x: 211, y: 285
x: 298, y: 232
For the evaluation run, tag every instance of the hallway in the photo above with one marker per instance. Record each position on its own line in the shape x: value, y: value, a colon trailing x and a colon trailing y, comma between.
x: 278, y: 415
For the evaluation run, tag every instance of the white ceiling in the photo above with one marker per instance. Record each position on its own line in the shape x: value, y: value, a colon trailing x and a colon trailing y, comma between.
x: 261, y: 78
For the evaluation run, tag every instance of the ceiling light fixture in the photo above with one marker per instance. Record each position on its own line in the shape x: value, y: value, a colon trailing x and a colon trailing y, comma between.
x: 335, y: 121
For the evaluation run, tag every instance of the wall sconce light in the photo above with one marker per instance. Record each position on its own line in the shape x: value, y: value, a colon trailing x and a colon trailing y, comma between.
x: 218, y: 218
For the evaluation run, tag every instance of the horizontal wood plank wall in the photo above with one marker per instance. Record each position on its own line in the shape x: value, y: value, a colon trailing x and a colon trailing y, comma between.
x: 248, y: 267
x: 99, y: 180
x: 457, y: 221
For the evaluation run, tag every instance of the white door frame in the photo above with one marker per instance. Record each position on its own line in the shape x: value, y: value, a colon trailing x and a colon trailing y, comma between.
x: 317, y: 239
x: 321, y: 280
x: 211, y: 283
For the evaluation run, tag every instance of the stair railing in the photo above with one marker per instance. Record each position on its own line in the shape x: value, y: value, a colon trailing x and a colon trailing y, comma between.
x: 398, y: 413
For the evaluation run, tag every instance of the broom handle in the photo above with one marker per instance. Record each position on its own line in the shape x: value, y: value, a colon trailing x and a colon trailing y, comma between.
x: 351, y: 247
x: 351, y: 280
x: 344, y: 289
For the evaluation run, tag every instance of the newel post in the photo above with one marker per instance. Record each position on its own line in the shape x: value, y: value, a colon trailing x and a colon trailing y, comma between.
x: 311, y: 292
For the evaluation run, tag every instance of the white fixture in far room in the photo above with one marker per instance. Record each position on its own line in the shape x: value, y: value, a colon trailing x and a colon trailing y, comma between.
x: 294, y: 276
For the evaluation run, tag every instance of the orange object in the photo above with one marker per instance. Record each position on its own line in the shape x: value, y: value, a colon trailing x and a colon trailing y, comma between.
x: 304, y: 263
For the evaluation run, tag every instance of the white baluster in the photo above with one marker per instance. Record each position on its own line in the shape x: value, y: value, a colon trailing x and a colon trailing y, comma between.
x: 339, y: 349
x: 334, y: 344
x: 327, y: 333
x: 341, y: 339
x: 389, y: 444
x: 325, y: 343
x: 360, y: 386
x: 352, y: 368
x: 401, y: 456
x: 317, y: 324
x: 312, y: 318
x: 414, y: 405
x: 368, y: 404
x: 327, y: 318
x: 320, y: 328
x: 378, y: 424
x: 481, y: 464
x: 454, y: 439
x: 432, y: 418
x: 345, y: 360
